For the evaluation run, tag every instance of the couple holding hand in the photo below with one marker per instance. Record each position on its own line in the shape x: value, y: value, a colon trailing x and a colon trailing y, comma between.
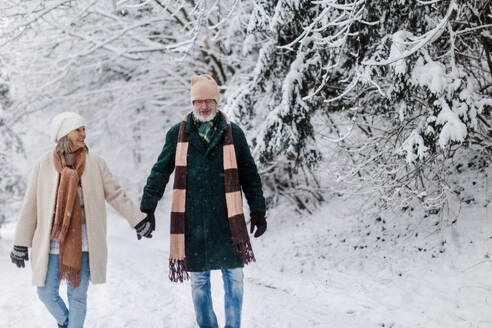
x: 63, y: 219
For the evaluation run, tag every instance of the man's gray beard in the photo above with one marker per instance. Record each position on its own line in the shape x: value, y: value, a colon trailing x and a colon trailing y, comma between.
x: 202, y: 118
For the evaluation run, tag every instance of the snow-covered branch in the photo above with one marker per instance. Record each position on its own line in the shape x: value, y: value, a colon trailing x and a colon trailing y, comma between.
x: 420, y: 42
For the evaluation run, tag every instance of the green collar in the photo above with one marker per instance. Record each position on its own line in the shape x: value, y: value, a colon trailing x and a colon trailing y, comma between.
x: 206, y: 130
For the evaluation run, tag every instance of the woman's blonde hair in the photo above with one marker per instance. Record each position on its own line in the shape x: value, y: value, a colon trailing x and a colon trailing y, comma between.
x: 64, y: 146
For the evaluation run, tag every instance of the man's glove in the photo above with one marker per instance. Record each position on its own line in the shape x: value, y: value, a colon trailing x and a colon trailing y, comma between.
x: 19, y: 255
x: 145, y: 227
x: 258, y: 220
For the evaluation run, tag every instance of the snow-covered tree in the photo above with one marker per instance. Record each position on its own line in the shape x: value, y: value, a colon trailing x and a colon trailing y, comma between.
x: 380, y: 94
x: 126, y: 66
x: 423, y: 94
x: 301, y: 49
x: 398, y: 85
x: 11, y: 182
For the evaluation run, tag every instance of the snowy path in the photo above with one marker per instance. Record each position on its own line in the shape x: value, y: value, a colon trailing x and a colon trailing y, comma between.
x: 138, y: 293
x: 304, y: 277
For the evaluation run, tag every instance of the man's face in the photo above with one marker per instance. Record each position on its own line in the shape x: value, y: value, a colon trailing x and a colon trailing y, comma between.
x: 205, y: 109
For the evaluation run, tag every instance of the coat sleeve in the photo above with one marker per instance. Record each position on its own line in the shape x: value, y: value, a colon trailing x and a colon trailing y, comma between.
x: 162, y: 169
x: 117, y: 198
x: 26, y: 226
x: 248, y: 173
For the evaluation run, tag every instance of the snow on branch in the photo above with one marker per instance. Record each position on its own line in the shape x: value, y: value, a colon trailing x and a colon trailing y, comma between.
x: 120, y: 34
x: 422, y: 41
x: 22, y: 28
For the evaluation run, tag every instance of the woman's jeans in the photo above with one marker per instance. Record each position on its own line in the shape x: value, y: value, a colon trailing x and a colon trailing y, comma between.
x: 202, y: 298
x: 77, y: 297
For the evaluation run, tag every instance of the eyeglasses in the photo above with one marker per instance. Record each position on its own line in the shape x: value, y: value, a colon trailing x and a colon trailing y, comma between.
x: 204, y: 101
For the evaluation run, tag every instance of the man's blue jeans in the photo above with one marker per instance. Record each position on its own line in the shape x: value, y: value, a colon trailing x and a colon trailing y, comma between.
x: 77, y: 297
x: 202, y: 298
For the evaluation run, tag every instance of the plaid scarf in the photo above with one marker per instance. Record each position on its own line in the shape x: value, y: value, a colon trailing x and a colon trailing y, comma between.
x: 235, y: 215
x: 67, y: 227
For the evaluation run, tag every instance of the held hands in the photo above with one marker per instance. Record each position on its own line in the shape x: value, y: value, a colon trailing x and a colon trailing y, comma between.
x: 258, y: 220
x: 145, y: 227
x: 19, y: 255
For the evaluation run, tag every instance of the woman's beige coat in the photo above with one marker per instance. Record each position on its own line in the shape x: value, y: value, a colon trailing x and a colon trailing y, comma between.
x: 35, y: 222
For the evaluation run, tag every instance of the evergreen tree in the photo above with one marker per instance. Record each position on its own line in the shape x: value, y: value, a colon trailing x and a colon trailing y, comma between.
x: 412, y: 77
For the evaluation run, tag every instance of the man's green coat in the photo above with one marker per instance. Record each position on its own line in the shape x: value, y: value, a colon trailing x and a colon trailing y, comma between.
x: 207, y: 234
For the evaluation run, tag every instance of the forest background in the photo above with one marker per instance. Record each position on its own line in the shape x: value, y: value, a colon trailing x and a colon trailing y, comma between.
x: 383, y: 106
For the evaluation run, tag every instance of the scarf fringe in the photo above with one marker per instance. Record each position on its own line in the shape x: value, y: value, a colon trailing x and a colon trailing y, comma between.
x: 177, y: 271
x: 245, y: 252
x: 72, y: 275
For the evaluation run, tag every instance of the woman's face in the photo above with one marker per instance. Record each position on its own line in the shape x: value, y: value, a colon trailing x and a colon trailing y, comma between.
x: 77, y: 138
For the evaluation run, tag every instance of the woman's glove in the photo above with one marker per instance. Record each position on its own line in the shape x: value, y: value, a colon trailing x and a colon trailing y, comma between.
x: 19, y: 255
x: 145, y: 227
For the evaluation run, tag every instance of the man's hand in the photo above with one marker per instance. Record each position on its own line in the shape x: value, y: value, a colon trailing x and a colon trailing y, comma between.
x: 258, y: 220
x: 19, y: 255
x: 145, y: 227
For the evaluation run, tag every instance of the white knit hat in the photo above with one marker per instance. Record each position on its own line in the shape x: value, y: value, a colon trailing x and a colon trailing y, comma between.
x: 63, y: 123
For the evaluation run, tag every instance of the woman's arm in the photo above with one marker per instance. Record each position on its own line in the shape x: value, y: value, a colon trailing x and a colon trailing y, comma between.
x: 117, y: 198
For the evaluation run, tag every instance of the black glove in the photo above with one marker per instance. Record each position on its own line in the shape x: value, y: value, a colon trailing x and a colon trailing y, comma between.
x: 151, y: 217
x: 258, y: 220
x: 145, y: 227
x: 19, y: 255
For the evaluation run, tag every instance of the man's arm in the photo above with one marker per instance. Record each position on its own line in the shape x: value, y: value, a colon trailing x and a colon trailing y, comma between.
x: 159, y: 175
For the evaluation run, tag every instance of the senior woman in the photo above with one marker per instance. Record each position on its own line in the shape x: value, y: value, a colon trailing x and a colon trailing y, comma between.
x: 63, y: 220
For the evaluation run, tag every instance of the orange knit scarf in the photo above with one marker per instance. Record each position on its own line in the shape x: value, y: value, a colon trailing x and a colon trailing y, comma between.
x: 67, y: 227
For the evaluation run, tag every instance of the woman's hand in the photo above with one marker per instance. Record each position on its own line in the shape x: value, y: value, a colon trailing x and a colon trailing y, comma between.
x: 19, y: 255
x: 145, y: 227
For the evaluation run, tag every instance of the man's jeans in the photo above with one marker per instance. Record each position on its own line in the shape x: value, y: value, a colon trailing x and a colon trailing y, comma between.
x: 77, y: 297
x: 202, y: 298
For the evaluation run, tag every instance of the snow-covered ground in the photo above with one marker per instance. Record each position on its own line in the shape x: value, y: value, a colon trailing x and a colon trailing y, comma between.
x: 338, y: 268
